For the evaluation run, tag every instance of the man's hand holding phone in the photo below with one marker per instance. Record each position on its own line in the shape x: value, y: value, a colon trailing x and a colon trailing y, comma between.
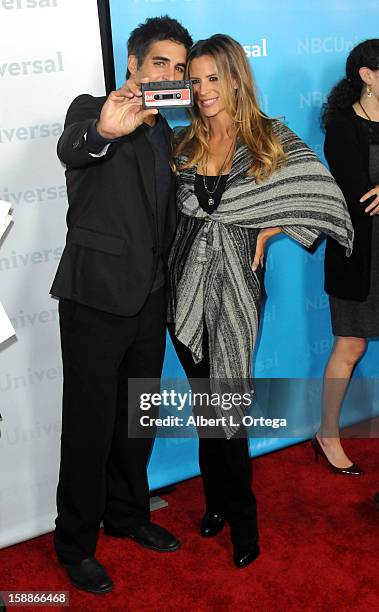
x: 122, y: 112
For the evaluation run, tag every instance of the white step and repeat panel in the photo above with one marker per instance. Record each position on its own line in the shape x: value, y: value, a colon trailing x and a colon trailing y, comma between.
x: 50, y: 53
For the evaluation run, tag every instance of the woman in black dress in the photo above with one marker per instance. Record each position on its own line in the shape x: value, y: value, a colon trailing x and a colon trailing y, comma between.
x: 351, y: 121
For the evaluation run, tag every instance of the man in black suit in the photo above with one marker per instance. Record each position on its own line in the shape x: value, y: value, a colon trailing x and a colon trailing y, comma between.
x: 110, y: 282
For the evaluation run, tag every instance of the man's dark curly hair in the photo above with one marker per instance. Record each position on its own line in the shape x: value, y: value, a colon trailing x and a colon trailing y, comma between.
x: 349, y: 89
x: 153, y: 30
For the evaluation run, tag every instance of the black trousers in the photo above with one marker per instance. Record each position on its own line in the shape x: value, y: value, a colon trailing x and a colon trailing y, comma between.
x: 225, y: 466
x: 102, y: 471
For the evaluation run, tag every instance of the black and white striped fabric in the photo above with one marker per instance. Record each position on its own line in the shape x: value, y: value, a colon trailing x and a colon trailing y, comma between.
x: 211, y: 280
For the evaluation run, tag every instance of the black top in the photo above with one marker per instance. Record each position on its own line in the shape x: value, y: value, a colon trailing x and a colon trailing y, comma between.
x: 157, y: 139
x: 372, y: 131
x: 347, y: 145
x: 203, y: 196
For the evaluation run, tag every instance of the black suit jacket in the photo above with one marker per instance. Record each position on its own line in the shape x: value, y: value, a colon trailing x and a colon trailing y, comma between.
x: 110, y: 256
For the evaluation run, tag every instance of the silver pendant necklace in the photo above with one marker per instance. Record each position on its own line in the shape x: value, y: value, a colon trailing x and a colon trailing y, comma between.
x: 210, y: 193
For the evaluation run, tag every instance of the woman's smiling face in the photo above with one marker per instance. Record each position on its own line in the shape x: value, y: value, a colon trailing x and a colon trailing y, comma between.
x: 206, y: 86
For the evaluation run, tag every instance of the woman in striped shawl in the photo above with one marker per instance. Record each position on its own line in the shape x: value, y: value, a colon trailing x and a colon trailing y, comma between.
x: 242, y: 178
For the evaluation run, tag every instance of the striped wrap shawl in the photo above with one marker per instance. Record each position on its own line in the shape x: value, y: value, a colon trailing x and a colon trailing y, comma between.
x: 210, y: 274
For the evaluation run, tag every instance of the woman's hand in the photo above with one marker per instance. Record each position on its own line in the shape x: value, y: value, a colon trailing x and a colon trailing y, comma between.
x: 263, y: 236
x: 372, y: 208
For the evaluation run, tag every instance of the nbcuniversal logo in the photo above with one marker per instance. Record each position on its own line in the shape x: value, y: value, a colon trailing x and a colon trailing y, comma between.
x: 327, y: 44
x: 256, y: 49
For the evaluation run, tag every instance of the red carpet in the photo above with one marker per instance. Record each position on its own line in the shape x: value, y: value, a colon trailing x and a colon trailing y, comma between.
x: 319, y: 548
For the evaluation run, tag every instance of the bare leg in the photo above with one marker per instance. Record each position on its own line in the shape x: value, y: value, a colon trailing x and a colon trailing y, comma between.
x: 345, y: 354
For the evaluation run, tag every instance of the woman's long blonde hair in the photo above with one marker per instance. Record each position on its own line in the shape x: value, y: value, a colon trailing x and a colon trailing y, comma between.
x: 249, y: 122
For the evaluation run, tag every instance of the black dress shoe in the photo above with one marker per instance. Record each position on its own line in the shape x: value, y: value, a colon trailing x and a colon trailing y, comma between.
x: 351, y: 470
x: 150, y: 536
x: 89, y: 575
x: 244, y: 555
x: 211, y: 525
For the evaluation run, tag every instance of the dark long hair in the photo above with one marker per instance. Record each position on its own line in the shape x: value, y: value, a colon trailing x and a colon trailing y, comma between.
x: 349, y: 89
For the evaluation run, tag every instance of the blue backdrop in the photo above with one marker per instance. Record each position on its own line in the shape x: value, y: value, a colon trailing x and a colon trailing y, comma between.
x: 297, y: 50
